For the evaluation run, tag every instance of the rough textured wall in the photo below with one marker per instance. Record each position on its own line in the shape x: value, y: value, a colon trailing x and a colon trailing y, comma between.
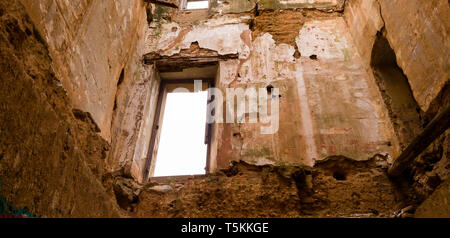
x: 96, y: 47
x: 90, y: 42
x: 364, y: 20
x: 421, y: 48
x: 329, y: 103
x: 51, y: 158
x: 437, y: 205
x: 417, y: 31
x: 332, y: 115
x: 306, y: 4
x: 361, y: 190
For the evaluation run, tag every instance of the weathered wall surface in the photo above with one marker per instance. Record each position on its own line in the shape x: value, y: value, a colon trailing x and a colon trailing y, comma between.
x: 96, y: 48
x: 87, y: 54
x: 364, y: 20
x: 51, y: 158
x: 437, y: 205
x: 90, y: 42
x: 418, y: 33
x: 305, y: 4
x: 420, y: 41
x: 133, y: 122
x: 329, y: 103
x: 246, y: 190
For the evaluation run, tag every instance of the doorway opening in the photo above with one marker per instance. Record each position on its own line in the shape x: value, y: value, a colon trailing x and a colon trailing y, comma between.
x: 182, y: 149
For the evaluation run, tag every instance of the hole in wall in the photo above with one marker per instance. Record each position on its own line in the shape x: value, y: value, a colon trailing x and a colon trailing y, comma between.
x: 251, y: 25
x: 313, y: 57
x: 297, y: 54
x: 269, y: 89
x: 194, y: 46
x: 339, y: 176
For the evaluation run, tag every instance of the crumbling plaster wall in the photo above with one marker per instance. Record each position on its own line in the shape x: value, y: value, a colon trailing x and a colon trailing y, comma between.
x: 417, y: 31
x: 328, y: 106
x: 90, y: 42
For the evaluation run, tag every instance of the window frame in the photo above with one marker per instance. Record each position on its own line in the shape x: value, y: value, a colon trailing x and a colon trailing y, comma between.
x: 165, y: 85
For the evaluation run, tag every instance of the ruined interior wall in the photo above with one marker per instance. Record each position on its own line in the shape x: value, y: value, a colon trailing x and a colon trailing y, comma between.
x: 54, y: 162
x: 305, y: 4
x: 51, y: 157
x: 417, y: 31
x: 90, y: 42
x: 329, y: 103
x: 243, y: 190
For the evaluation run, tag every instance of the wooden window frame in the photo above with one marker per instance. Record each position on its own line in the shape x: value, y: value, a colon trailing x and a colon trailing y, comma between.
x: 149, y: 166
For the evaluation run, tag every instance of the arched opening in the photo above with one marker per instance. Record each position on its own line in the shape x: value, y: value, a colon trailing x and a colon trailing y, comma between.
x: 403, y: 110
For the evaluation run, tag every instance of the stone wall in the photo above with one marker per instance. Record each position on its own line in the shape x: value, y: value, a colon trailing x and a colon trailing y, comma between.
x: 90, y: 42
x: 329, y: 102
x: 338, y: 187
x: 417, y: 31
x: 52, y: 161
x: 85, y: 75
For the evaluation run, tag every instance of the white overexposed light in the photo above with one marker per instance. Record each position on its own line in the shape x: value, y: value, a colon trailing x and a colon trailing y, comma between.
x: 182, y: 148
x: 192, y: 5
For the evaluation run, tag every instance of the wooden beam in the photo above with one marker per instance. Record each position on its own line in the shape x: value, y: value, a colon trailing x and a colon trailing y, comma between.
x: 434, y: 129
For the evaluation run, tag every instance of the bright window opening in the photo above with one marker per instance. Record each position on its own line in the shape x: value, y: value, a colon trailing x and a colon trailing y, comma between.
x: 182, y: 149
x: 196, y: 4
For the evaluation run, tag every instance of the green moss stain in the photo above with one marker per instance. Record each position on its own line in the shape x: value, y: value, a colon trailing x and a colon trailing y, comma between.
x: 159, y: 12
x: 269, y: 4
x: 347, y: 54
x: 255, y: 153
x: 158, y: 18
